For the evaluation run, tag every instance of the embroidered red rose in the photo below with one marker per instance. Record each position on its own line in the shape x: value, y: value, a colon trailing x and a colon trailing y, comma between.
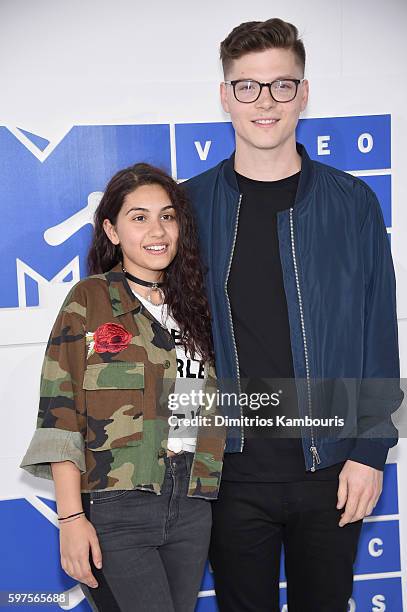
x: 111, y: 338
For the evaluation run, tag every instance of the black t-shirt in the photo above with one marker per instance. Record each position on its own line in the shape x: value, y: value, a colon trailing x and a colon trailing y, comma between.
x: 262, y: 334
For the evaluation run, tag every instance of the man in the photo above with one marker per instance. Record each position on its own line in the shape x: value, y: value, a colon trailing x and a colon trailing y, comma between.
x: 302, y: 293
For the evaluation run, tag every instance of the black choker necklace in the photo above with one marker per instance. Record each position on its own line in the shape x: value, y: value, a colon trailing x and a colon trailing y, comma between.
x: 153, y: 286
x: 139, y: 281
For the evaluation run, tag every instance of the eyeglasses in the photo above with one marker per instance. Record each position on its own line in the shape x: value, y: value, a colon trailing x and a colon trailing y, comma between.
x: 281, y: 90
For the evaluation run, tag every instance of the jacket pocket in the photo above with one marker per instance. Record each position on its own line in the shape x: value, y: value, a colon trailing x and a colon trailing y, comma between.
x: 114, y: 404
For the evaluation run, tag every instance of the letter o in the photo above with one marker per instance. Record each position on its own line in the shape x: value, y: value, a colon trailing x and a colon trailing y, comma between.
x: 365, y: 143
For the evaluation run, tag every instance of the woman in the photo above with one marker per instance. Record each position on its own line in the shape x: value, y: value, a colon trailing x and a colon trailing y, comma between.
x: 132, y: 485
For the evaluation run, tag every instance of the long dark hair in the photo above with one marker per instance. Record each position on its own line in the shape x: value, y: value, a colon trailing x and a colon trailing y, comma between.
x: 183, y: 279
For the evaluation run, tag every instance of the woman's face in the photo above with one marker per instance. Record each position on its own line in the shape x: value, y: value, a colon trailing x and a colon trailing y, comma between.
x: 147, y: 230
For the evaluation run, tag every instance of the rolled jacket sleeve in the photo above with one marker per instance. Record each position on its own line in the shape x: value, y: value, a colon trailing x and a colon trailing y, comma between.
x: 61, y: 420
x: 52, y: 445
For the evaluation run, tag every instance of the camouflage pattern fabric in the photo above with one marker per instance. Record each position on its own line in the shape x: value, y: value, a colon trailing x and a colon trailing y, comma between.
x: 108, y: 411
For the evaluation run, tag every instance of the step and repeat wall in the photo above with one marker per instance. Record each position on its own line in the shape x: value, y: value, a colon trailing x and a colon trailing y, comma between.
x: 53, y: 169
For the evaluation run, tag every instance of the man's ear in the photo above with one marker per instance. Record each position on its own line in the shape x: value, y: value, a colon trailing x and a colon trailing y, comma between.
x: 304, y: 94
x: 224, y: 97
x: 111, y: 232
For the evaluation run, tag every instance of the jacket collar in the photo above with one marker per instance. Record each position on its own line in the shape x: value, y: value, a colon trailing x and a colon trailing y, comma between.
x: 122, y: 298
x: 305, y: 185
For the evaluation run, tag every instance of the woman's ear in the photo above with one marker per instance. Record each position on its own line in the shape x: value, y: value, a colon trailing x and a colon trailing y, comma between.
x: 111, y: 232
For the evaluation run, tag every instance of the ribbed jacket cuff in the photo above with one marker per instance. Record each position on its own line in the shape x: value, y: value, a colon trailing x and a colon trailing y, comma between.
x: 370, y: 452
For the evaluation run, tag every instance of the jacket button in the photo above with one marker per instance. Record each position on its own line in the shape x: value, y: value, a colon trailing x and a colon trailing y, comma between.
x: 166, y: 364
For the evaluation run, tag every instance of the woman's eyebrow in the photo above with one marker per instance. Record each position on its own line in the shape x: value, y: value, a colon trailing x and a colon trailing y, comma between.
x: 134, y: 208
x: 168, y: 207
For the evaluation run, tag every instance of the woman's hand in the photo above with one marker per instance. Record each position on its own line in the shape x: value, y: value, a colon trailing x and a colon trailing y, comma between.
x: 76, y: 538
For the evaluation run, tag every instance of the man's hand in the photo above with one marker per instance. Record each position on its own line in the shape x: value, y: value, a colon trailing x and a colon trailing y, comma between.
x: 359, y: 488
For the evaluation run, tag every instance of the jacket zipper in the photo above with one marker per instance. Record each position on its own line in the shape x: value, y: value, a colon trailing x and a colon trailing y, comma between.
x: 231, y: 320
x: 313, y: 448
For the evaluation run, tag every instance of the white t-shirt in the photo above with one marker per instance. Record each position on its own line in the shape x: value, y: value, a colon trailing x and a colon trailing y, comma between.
x: 190, y: 375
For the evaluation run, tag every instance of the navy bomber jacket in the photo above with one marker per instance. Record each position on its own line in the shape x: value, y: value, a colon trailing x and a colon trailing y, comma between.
x: 340, y: 287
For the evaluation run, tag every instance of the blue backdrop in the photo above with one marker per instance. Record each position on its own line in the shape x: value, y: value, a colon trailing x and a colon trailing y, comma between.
x: 38, y: 197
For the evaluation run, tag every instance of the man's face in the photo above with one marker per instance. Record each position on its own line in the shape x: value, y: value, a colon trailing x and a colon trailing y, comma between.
x: 265, y: 66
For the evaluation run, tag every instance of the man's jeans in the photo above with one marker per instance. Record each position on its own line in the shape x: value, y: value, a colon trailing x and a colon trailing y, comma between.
x: 154, y: 547
x: 251, y: 523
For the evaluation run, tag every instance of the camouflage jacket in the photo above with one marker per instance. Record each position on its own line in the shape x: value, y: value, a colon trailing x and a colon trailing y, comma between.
x: 107, y: 412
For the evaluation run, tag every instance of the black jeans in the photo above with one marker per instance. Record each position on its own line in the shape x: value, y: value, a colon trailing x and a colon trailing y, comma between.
x: 154, y: 547
x: 251, y: 522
